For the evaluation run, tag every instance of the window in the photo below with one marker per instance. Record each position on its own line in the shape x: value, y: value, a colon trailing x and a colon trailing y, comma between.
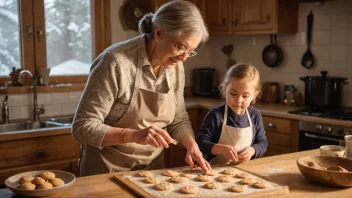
x: 64, y: 36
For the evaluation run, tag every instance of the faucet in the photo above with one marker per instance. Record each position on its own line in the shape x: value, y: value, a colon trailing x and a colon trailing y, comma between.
x: 36, y: 110
x: 5, y: 111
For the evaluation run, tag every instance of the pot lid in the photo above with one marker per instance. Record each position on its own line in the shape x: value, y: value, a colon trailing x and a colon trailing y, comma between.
x: 324, y: 76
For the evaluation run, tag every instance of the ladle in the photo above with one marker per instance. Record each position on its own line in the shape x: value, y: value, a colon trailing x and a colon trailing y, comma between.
x: 308, y: 59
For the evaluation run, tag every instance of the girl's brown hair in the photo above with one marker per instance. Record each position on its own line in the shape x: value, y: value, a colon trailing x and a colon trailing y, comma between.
x: 241, y: 71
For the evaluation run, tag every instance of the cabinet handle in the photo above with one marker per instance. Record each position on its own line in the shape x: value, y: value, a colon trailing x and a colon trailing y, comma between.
x: 40, y: 154
x: 29, y: 32
x: 271, y: 125
x: 235, y: 22
x: 224, y: 21
x: 40, y: 33
x: 268, y: 18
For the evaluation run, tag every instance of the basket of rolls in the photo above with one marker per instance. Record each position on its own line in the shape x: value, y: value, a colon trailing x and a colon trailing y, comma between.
x: 40, y: 183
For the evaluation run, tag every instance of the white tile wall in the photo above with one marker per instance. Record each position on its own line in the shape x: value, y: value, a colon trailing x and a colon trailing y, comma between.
x: 331, y: 46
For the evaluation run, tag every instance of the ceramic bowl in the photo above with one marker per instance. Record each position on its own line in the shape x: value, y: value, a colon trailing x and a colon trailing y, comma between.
x: 326, y: 177
x: 13, y: 185
x: 332, y: 150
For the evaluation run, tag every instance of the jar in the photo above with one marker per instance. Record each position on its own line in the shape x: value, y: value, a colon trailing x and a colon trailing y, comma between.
x: 348, y: 140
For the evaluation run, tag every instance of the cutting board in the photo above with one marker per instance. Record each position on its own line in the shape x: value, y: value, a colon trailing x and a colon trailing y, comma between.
x: 135, y: 184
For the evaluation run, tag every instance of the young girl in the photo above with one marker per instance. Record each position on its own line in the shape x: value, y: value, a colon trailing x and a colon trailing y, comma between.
x: 234, y: 131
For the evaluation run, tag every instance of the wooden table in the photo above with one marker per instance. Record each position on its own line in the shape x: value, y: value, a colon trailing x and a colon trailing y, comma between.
x: 281, y: 169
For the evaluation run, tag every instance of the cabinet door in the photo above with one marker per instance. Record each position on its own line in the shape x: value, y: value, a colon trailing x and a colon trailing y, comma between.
x: 253, y: 15
x: 218, y: 16
x: 64, y: 165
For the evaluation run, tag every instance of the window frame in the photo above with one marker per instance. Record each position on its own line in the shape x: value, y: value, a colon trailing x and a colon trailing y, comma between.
x: 31, y: 14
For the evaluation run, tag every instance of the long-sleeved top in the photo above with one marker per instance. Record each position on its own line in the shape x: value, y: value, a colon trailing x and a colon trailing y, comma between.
x: 211, y: 128
x: 110, y: 87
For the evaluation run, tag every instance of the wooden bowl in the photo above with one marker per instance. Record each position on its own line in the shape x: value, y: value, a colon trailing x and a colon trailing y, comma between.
x: 326, y: 177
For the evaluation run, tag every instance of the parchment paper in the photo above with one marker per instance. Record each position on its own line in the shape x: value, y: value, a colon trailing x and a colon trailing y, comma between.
x: 203, y: 192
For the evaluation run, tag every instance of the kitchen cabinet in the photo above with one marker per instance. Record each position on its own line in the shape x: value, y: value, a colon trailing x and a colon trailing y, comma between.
x: 282, y: 135
x: 52, y: 152
x: 174, y: 156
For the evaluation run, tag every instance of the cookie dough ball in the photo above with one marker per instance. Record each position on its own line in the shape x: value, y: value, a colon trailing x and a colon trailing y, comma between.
x: 145, y: 174
x: 163, y: 186
x: 237, y: 188
x: 57, y: 182
x: 230, y: 171
x: 189, y: 189
x: 25, y: 179
x: 27, y: 186
x: 210, y: 172
x: 261, y: 184
x: 151, y: 180
x: 224, y: 178
x: 47, y: 175
x: 248, y: 181
x: 178, y: 179
x: 46, y: 185
x: 203, y: 178
x: 170, y: 173
x: 38, y: 181
x: 212, y: 185
x: 186, y: 175
x: 243, y: 175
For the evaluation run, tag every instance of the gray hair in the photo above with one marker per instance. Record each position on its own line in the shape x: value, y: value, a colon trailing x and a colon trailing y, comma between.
x: 175, y: 18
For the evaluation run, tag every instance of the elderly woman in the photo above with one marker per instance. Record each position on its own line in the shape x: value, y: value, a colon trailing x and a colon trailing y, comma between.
x: 133, y: 101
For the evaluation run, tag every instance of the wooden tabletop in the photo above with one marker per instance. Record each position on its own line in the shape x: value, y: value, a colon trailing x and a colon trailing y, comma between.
x: 281, y: 169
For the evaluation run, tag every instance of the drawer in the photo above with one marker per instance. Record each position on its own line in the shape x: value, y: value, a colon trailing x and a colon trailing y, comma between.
x: 278, y: 139
x: 277, y: 124
x: 37, y: 150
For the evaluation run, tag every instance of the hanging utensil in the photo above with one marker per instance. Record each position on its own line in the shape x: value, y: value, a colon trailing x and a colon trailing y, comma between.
x: 272, y: 54
x: 308, y: 59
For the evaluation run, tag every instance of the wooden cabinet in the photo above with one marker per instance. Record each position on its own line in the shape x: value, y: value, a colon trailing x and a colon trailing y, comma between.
x: 174, y: 156
x: 264, y: 16
x: 282, y: 135
x: 218, y: 16
x: 56, y: 152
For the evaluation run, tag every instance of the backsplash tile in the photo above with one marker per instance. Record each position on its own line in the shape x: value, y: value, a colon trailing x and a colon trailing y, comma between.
x: 59, y: 98
x: 74, y: 96
x: 69, y: 108
x: 15, y: 100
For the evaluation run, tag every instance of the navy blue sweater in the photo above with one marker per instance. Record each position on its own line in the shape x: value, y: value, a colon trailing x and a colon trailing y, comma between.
x: 210, y: 131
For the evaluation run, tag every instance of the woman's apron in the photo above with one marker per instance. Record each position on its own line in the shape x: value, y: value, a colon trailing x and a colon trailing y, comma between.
x: 146, y: 108
x: 239, y: 138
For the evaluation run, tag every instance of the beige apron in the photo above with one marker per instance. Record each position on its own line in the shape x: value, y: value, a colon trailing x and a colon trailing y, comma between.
x: 146, y: 108
x: 239, y: 138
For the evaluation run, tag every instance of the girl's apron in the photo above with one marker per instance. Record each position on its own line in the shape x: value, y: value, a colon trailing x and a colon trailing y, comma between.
x: 239, y: 138
x: 146, y: 108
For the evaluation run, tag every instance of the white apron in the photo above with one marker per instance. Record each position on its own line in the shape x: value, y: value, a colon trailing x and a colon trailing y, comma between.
x: 146, y: 108
x: 239, y: 138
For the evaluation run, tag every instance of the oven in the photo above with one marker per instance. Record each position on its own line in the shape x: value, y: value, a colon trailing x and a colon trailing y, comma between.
x: 313, y: 135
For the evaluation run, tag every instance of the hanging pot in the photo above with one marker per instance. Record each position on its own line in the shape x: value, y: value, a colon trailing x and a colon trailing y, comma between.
x: 272, y: 54
x: 323, y: 91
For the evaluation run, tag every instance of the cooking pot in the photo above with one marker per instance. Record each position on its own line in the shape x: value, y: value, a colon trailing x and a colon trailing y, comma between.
x: 323, y: 91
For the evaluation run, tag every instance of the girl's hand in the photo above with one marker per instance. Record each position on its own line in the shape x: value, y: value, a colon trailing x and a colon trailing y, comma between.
x: 229, y: 152
x: 246, y: 154
x: 153, y: 136
x: 195, y: 158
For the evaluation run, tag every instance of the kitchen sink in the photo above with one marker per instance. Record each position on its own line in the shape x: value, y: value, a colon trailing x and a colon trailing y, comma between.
x: 66, y: 121
x: 29, y: 125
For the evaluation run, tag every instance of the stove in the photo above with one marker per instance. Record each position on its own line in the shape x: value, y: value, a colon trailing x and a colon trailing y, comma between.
x: 312, y: 135
x: 344, y: 113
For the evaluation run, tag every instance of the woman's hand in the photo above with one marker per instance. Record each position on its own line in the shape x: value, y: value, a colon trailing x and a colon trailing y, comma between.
x: 153, y: 136
x: 246, y: 154
x: 227, y: 151
x: 194, y: 159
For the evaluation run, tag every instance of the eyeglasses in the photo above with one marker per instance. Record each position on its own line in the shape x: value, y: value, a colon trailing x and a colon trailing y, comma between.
x: 181, y: 50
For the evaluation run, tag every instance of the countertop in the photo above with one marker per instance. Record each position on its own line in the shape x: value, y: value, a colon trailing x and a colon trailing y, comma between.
x: 281, y: 169
x: 274, y: 110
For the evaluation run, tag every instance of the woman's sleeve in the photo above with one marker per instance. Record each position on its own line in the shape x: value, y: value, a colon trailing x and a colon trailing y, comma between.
x: 181, y: 125
x: 260, y: 143
x: 206, y: 137
x: 96, y: 101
